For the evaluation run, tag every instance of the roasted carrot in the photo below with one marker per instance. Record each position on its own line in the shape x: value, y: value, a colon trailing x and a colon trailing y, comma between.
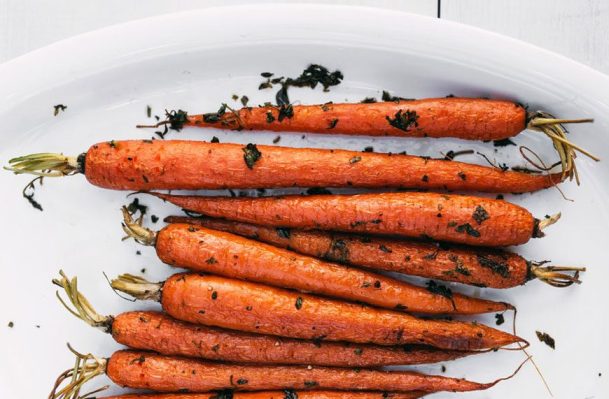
x: 229, y: 255
x: 464, y: 118
x: 286, y: 394
x: 245, y: 306
x: 453, y: 218
x: 160, y: 333
x: 481, y: 267
x: 147, y: 370
x: 160, y: 164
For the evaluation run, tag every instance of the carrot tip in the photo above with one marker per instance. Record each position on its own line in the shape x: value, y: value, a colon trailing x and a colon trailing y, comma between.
x: 86, y: 368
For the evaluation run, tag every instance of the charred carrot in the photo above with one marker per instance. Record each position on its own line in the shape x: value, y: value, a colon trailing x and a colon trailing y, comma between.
x: 146, y: 370
x: 200, y: 249
x: 286, y: 394
x: 452, y: 218
x: 481, y: 267
x: 239, y: 305
x: 464, y: 118
x: 160, y: 333
x: 160, y: 164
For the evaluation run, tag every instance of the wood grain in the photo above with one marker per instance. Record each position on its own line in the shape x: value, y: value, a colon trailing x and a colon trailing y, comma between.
x: 576, y: 29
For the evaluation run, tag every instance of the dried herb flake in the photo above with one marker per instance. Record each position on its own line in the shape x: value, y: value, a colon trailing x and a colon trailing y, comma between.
x: 251, y: 155
x: 546, y: 339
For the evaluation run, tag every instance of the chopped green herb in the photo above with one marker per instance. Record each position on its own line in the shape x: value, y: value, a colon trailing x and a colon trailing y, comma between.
x: 214, y: 295
x: 148, y: 111
x: 439, y: 289
x: 385, y: 249
x: 499, y: 267
x: 503, y: 143
x: 290, y: 394
x: 214, y: 117
x: 355, y: 159
x: 467, y: 229
x: 310, y: 384
x: 211, y: 261
x: 270, y: 118
x: 318, y: 191
x: 154, y: 218
x: 57, y: 108
x: 368, y: 100
x: 135, y: 206
x: 499, y: 320
x: 11, y: 324
x: 276, y: 139
x: 251, y: 155
x: 404, y: 120
x: 285, y: 111
x: 332, y: 123
x: 462, y: 176
x: 283, y: 232
x: 388, y: 97
x: 241, y: 381
x: 546, y: 339
x: 358, y: 351
x: 215, y: 139
x: 266, y: 74
x: 480, y: 214
x: 369, y: 149
x: 298, y: 303
x: 216, y: 347
x: 235, y: 97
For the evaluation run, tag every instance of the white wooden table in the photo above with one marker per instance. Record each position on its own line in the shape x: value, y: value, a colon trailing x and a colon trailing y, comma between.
x: 578, y: 29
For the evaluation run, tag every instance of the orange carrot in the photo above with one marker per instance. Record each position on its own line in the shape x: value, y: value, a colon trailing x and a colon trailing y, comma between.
x: 287, y: 394
x: 244, y: 306
x: 162, y: 334
x: 229, y: 255
x: 147, y: 370
x: 480, y: 267
x: 158, y: 164
x: 464, y: 118
x: 453, y: 218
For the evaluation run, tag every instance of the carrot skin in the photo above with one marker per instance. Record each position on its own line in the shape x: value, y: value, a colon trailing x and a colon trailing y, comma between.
x: 465, y: 118
x: 175, y: 164
x: 451, y: 218
x: 278, y: 395
x: 475, y: 266
x: 145, y: 370
x: 160, y: 333
x: 244, y: 306
x: 229, y: 255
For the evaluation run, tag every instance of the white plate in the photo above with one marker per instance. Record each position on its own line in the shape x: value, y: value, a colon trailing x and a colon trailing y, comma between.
x: 196, y: 60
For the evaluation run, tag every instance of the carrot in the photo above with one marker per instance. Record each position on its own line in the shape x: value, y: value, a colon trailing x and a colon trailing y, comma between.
x: 225, y: 254
x: 287, y: 394
x: 146, y: 370
x: 244, y: 306
x: 453, y: 218
x: 158, y: 164
x: 160, y: 333
x: 481, y: 267
x: 464, y: 118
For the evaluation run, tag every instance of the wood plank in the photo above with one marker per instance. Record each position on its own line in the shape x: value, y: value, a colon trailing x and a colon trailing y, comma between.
x: 577, y: 29
x: 26, y: 25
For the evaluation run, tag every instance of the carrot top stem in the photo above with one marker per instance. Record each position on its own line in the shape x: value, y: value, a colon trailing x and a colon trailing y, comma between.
x: 85, y: 368
x: 554, y: 275
x: 45, y: 164
x: 135, y: 230
x: 544, y: 224
x: 137, y: 287
x: 81, y: 308
x: 552, y: 127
